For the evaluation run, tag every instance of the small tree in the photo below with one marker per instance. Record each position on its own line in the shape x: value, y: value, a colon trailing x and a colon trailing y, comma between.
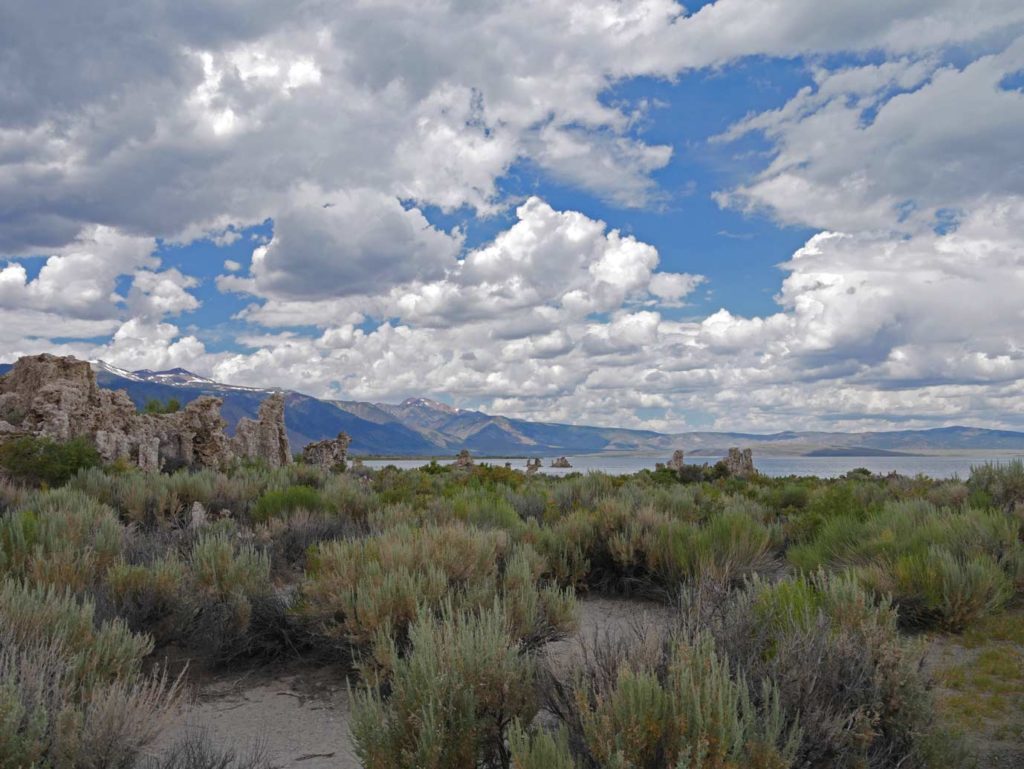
x: 157, y: 406
x: 40, y: 460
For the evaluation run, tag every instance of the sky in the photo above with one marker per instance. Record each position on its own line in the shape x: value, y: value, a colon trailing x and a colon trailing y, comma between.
x: 751, y: 215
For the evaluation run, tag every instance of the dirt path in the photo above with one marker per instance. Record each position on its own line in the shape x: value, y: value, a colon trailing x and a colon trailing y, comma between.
x: 300, y: 714
x: 979, y: 687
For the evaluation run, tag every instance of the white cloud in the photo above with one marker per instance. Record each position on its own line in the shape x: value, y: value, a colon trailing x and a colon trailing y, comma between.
x: 343, y: 123
x: 79, y: 280
x: 157, y: 294
x: 884, y: 147
x: 349, y: 243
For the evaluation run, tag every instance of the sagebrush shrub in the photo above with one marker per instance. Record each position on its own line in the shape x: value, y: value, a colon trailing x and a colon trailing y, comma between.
x: 941, y: 566
x: 836, y: 656
x: 450, y: 698
x: 281, y: 502
x: 354, y: 590
x: 229, y: 587
x: 48, y: 718
x: 197, y: 751
x: 62, y: 538
x: 676, y: 704
x: 39, y: 614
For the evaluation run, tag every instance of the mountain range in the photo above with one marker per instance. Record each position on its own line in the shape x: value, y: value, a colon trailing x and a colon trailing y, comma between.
x: 422, y: 427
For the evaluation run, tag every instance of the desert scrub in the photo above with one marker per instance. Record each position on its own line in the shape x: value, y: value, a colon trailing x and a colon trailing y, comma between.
x: 677, y: 704
x: 62, y: 538
x: 48, y: 718
x: 835, y: 653
x: 355, y: 590
x: 43, y: 461
x: 485, y: 509
x: 196, y: 750
x: 1001, y: 485
x: 71, y: 691
x: 234, y: 602
x: 217, y: 598
x: 281, y: 502
x: 617, y: 547
x: 450, y: 698
x: 151, y: 597
x: 95, y: 651
x: 942, y: 567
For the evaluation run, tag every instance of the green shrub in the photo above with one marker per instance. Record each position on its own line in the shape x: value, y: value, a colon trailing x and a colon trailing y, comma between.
x: 355, y: 590
x: 998, y: 484
x: 95, y: 652
x: 71, y: 689
x: 229, y: 586
x: 941, y: 566
x: 485, y: 509
x: 151, y: 598
x: 681, y: 706
x: 62, y: 538
x: 540, y: 750
x: 280, y: 502
x: 836, y: 656
x: 43, y: 461
x: 938, y: 587
x: 617, y: 547
x: 450, y: 699
x: 47, y: 719
x: 157, y: 406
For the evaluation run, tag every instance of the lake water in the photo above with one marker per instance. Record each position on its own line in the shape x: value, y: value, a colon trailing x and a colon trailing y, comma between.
x: 776, y: 466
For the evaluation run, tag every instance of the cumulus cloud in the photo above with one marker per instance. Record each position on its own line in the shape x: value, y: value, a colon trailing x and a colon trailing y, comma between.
x: 349, y: 243
x: 887, y: 146
x: 343, y: 124
x: 79, y: 280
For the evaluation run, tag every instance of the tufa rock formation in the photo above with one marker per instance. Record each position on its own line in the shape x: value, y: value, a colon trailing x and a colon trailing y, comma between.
x: 264, y: 438
x: 328, y: 454
x: 463, y: 459
x: 560, y: 462
x: 740, y: 463
x: 676, y: 463
x: 532, y: 466
x: 58, y: 398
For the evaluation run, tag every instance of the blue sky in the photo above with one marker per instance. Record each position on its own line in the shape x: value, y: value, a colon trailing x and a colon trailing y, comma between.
x: 736, y: 215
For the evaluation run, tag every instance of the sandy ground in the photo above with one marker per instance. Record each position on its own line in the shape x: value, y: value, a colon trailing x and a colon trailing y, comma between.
x: 300, y: 713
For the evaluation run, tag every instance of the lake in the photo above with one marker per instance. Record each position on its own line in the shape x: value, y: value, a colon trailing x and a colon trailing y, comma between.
x: 945, y: 466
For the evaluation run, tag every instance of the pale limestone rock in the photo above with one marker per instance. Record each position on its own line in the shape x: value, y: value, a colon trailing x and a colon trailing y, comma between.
x: 740, y: 463
x: 264, y: 439
x: 58, y: 398
x: 197, y: 516
x: 676, y: 463
x: 463, y: 459
x: 328, y: 454
x: 532, y: 466
x: 561, y: 462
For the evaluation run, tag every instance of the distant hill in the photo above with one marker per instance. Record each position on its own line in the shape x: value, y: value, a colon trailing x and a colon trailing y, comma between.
x: 420, y: 426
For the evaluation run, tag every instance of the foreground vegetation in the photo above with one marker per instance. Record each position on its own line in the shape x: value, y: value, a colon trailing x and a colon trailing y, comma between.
x: 798, y: 609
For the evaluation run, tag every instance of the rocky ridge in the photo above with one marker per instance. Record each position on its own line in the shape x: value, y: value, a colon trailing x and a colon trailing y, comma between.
x: 58, y: 398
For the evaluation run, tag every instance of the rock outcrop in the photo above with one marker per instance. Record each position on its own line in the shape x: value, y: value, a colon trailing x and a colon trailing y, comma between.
x: 740, y: 463
x: 677, y: 461
x: 58, y: 398
x: 561, y: 462
x: 532, y: 466
x: 327, y: 454
x: 264, y: 439
x: 463, y: 459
